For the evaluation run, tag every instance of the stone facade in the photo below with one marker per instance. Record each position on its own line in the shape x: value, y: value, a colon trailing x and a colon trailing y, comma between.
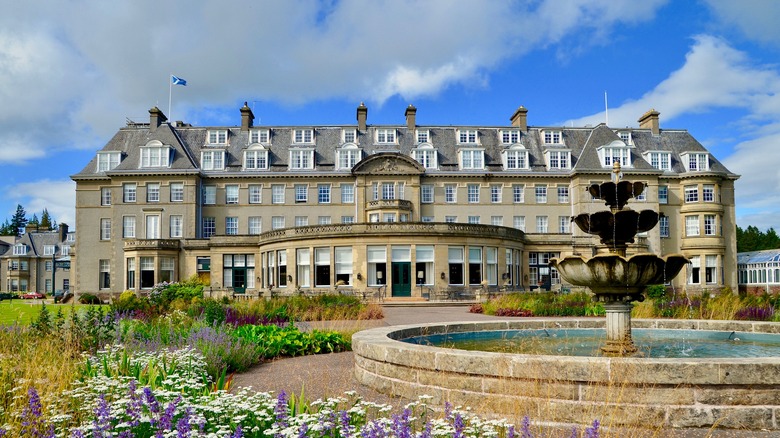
x: 28, y: 262
x: 408, y: 210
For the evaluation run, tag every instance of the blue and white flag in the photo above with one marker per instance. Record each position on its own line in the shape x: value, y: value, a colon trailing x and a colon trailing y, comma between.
x: 178, y: 81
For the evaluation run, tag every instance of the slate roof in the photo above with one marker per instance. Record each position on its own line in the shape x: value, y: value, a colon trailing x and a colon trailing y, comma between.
x: 35, y: 243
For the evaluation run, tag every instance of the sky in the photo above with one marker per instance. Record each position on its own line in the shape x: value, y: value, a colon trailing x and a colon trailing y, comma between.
x: 73, y: 72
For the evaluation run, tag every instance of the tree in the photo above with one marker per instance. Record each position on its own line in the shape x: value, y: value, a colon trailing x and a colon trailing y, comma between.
x: 19, y: 220
x: 46, y: 220
x: 6, y: 229
x: 33, y: 224
x: 753, y: 239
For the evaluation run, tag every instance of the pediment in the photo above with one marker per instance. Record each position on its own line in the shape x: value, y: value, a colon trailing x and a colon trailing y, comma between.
x: 388, y: 164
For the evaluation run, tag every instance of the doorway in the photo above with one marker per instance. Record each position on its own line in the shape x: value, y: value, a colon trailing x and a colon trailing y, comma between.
x: 402, y: 279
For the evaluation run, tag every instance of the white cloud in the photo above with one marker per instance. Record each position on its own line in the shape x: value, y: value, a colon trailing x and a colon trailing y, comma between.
x: 57, y: 196
x: 756, y: 19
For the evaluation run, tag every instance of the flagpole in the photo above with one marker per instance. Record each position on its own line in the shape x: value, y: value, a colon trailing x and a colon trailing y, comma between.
x: 170, y: 91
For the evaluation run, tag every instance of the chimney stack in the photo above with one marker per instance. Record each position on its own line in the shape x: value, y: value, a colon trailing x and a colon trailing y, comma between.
x: 520, y: 118
x: 156, y: 118
x: 247, y: 117
x: 649, y: 120
x: 63, y: 232
x: 411, y: 117
x: 362, y: 115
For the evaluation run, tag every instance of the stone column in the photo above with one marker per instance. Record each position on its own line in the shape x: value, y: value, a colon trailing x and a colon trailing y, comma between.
x: 619, y: 341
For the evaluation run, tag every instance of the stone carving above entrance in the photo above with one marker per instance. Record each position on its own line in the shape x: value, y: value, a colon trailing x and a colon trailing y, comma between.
x: 388, y: 163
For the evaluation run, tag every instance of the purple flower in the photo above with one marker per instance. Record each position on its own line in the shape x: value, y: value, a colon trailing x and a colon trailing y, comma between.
x: 525, y: 428
x: 447, y: 410
x: 373, y: 430
x: 459, y: 425
x: 280, y: 410
x: 166, y: 419
x: 511, y: 432
x: 302, y: 431
x: 238, y: 433
x: 151, y: 400
x: 593, y: 430
x: 426, y: 433
x: 183, y: 425
x: 133, y: 409
x: 401, y: 427
x: 77, y: 434
x: 101, y: 425
x: 346, y: 429
x: 32, y: 424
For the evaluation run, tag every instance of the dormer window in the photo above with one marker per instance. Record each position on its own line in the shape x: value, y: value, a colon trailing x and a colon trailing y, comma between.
x: 155, y: 154
x: 659, y: 160
x: 301, y: 159
x: 625, y: 136
x: 65, y: 250
x: 48, y: 250
x: 217, y: 137
x: 20, y: 250
x: 553, y: 137
x: 212, y: 160
x: 259, y: 136
x: 614, y: 152
x: 696, y: 162
x: 256, y: 158
x: 423, y: 136
x: 348, y: 156
x: 385, y: 135
x: 349, y: 135
x: 426, y: 155
x: 108, y: 160
x: 472, y: 158
x: 468, y: 136
x: 515, y: 158
x: 509, y: 136
x: 305, y: 136
x: 558, y: 159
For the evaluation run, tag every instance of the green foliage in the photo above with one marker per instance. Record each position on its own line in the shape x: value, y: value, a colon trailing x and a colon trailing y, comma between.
x: 19, y: 220
x: 753, y: 239
x: 130, y: 302
x: 655, y: 292
x: 278, y: 341
x: 317, y: 308
x: 46, y: 221
x: 164, y: 295
x: 89, y: 299
x: 544, y: 304
x: 213, y: 312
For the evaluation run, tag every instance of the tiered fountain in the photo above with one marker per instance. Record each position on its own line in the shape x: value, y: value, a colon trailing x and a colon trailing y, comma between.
x: 612, y: 278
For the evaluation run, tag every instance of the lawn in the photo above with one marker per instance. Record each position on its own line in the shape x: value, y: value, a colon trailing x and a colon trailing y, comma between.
x: 24, y: 311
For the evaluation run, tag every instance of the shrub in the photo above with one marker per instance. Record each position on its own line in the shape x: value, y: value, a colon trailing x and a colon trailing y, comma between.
x: 129, y: 302
x: 764, y: 313
x: 655, y: 292
x: 513, y: 312
x: 476, y: 308
x: 89, y: 299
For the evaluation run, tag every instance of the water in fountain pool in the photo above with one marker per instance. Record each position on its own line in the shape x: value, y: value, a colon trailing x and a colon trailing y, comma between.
x: 654, y: 343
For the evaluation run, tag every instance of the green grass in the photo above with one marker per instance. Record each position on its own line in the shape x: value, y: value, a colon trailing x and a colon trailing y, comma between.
x: 25, y: 311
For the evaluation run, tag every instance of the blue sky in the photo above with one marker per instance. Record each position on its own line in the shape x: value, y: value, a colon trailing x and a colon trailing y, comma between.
x: 72, y: 73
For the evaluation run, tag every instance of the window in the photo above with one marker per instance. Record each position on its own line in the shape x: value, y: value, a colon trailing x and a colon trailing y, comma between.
x: 231, y: 194
x: 259, y: 136
x: 303, y: 268
x: 491, y: 265
x: 472, y: 159
x: 348, y: 157
x: 660, y: 160
x: 426, y: 156
x: 375, y: 191
x: 255, y: 193
x: 710, y: 226
x: 303, y: 136
x: 495, y: 194
x: 518, y: 193
x: 691, y: 225
x: 376, y: 256
x: 217, y: 137
x: 108, y: 160
x: 301, y: 221
x: 423, y: 136
x: 450, y: 193
x: 373, y: 217
x: 611, y: 155
x: 625, y: 137
x: 388, y: 191
x: 153, y: 192
x: 131, y: 273
x: 558, y: 159
x: 385, y: 135
x: 323, y: 193
x: 238, y: 271
x: 563, y: 195
x: 231, y: 226
x: 277, y: 222
x: 166, y: 269
x: 347, y: 194
x: 347, y: 219
x: 467, y: 136
x: 176, y: 226
x: 564, y: 223
x: 324, y: 220
x: 105, y: 196
x: 177, y: 192
x: 663, y: 225
x: 153, y: 226
x: 343, y: 264
x: 696, y: 161
x: 426, y: 194
x: 212, y: 160
x: 691, y: 193
x: 711, y: 268
x: 128, y: 192
x: 541, y: 194
x: 105, y: 229
x: 553, y: 137
x: 104, y: 280
x: 301, y: 192
x: 497, y: 220
x: 302, y: 159
x: 541, y: 224
x: 388, y: 217
x: 20, y: 249
x: 473, y: 219
x: 209, y: 195
x: 255, y: 225
x: 256, y: 159
x: 426, y: 219
x: 519, y: 222
x: 473, y: 193
x: 509, y: 136
x: 515, y: 159
x: 48, y: 250
x: 348, y: 135
x: 128, y: 227
x: 424, y: 273
x: 71, y: 237
x: 663, y: 194
x: 209, y: 227
x: 321, y: 267
x: 156, y: 157
x: 475, y: 265
x: 277, y: 193
x: 48, y: 265
x: 455, y: 261
x: 708, y: 193
x: 693, y: 270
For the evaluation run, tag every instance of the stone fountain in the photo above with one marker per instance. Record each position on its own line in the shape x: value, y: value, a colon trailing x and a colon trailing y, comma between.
x: 613, y: 278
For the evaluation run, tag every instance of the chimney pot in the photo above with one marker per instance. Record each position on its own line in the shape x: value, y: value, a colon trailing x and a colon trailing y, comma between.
x: 247, y: 117
x: 362, y: 115
x: 520, y: 118
x: 156, y: 118
x: 649, y: 120
x: 411, y: 117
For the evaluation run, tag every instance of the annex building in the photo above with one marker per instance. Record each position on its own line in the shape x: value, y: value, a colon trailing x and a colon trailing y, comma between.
x: 416, y: 209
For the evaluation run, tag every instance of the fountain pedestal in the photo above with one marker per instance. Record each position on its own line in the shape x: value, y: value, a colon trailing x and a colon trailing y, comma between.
x: 619, y: 341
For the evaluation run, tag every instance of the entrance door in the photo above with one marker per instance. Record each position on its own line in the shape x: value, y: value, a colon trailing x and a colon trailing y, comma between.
x: 402, y: 279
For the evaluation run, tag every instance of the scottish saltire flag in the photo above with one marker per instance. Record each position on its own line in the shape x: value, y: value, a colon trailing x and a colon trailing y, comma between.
x: 178, y: 81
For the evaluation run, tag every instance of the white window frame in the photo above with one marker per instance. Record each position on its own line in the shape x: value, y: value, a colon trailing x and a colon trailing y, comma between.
x: 129, y: 192
x: 217, y: 137
x: 48, y: 250
x: 152, y: 192
x: 691, y: 194
x: 450, y: 193
x: 152, y: 226
x: 710, y: 225
x: 255, y: 225
x: 663, y: 226
x: 615, y: 151
x: 663, y: 194
x: 426, y: 194
x: 563, y: 194
x: 692, y: 226
x: 155, y: 157
x: 278, y: 193
x: 347, y: 193
x: 509, y: 136
x: 542, y: 224
x: 105, y: 229
x: 176, y: 229
x: 255, y: 193
x: 427, y: 156
x: 105, y: 196
x: 212, y: 160
x: 472, y: 191
x: 347, y: 157
x: 177, y: 192
x: 696, y: 161
x: 20, y: 249
x: 231, y: 226
x: 386, y: 136
x: 323, y: 193
x: 301, y: 193
x: 128, y: 227
x: 108, y: 161
x: 349, y: 135
x: 472, y: 159
x: 301, y: 159
x: 540, y: 194
x: 209, y: 226
x: 518, y: 193
x: 256, y: 159
x: 552, y: 137
x: 558, y: 159
x: 660, y: 160
x: 259, y: 136
x: 303, y: 136
x: 422, y: 136
x: 468, y: 136
x: 277, y: 222
x: 564, y: 224
x: 231, y: 194
x: 708, y: 193
x: 209, y: 195
x: 515, y: 158
x: 518, y: 222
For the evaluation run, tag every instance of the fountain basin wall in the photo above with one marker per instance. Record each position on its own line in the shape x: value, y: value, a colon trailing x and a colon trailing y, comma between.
x: 640, y: 392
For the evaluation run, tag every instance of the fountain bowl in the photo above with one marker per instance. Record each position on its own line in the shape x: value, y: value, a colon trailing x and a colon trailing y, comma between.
x: 633, y: 392
x: 618, y: 227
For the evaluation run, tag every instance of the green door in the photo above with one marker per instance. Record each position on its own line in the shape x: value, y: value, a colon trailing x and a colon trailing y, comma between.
x: 402, y: 279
